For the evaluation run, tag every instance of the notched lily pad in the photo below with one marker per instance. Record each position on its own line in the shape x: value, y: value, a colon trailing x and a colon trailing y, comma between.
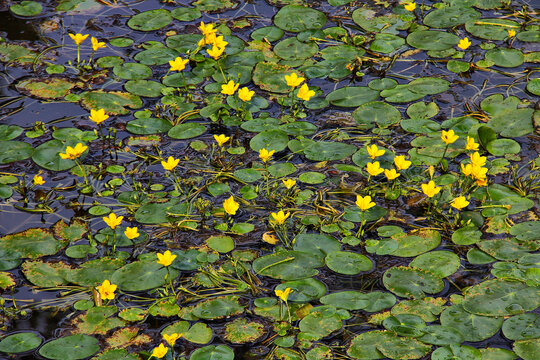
x: 242, y: 331
x: 51, y: 88
x: 114, y: 102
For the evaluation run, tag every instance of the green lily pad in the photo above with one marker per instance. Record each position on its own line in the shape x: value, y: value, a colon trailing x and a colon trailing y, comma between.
x: 319, y: 245
x: 11, y: 151
x: 296, y: 18
x: 26, y: 8
x: 491, y: 29
x: 212, y: 352
x: 183, y: 43
x: 240, y: 331
x: 428, y: 85
x: 457, y: 66
x: 154, y: 213
x: 405, y: 325
x: 456, y: 352
x: 355, y: 300
x: 270, y: 33
x: 31, y: 243
x: 270, y: 140
x: 132, y: 71
x: 507, y: 249
x: 77, y: 346
x: 10, y: 132
x: 506, y: 117
x: 386, y: 43
x: 49, y: 88
x: 186, y: 131
x: 287, y: 265
x: 148, y: 126
x: 97, y: 320
x: 505, y: 57
x: 522, y: 327
x: 144, y: 88
x: 94, y: 272
x: 526, y: 231
x: 501, y: 298
x: 426, y: 308
x: 527, y: 349
x: 199, y: 333
x: 416, y: 243
x: 218, y: 307
x: 450, y: 16
x: 441, y: 263
x: 329, y: 150
x: 410, y: 282
x: 376, y: 112
x: 304, y: 290
x: 150, y: 20
x: 401, y: 94
x: 20, y: 342
x: 473, y: 327
x: 141, y: 275
x: 114, y: 102
x: 367, y: 19
x: 352, y: 96
x: 364, y: 346
x: 312, y: 177
x: 347, y: 262
x: 271, y: 77
x: 221, y: 244
x: 321, y: 322
x: 533, y: 86
x: 292, y: 49
x: 185, y: 13
x: 441, y: 335
x: 403, y: 348
x: 432, y: 40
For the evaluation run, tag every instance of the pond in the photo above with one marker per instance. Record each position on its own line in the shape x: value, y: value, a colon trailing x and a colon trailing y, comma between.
x: 269, y: 179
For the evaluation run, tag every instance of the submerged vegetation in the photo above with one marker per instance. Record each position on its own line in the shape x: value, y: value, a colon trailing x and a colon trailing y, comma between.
x: 279, y: 179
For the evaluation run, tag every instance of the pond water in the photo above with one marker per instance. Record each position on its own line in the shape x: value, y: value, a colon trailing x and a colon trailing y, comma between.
x: 383, y: 205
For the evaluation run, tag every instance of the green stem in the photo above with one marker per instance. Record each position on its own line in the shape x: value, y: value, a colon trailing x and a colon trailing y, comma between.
x: 170, y: 281
x: 82, y: 170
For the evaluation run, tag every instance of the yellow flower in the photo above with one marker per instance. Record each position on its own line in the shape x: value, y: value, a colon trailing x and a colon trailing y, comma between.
x: 280, y: 217
x: 430, y: 189
x: 201, y: 42
x: 471, y: 145
x: 171, y: 339
x: 293, y: 80
x: 166, y: 258
x: 410, y: 6
x: 170, y: 164
x: 304, y: 93
x: 159, y: 351
x: 245, y: 94
x: 482, y: 182
x: 221, y: 139
x: 401, y: 163
x: 466, y: 169
x: 374, y: 168
x: 178, y: 64
x: 266, y: 155
x: 112, y: 220
x: 289, y: 183
x: 219, y: 42
x: 374, y: 151
x: 38, y: 180
x: 283, y: 295
x: 131, y: 232
x: 460, y: 202
x: 96, y: 44
x: 78, y: 38
x: 229, y: 88
x: 464, y: 43
x: 74, y: 153
x: 215, y: 52
x: 511, y: 33
x: 391, y: 174
x: 209, y: 39
x: 364, y: 203
x: 478, y: 172
x: 477, y: 160
x: 207, y: 29
x: 449, y: 137
x: 431, y: 171
x: 98, y: 116
x: 231, y: 206
x: 106, y: 290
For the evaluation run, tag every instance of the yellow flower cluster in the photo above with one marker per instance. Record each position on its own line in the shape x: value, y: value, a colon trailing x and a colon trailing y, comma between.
x: 476, y: 168
x: 210, y: 38
x: 374, y: 168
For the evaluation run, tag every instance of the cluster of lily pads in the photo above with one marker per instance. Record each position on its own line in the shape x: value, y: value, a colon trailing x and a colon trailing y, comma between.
x: 303, y: 185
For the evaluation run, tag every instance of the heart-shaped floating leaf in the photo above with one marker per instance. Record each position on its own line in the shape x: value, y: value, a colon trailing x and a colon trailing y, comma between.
x: 11, y: 151
x: 356, y: 300
x: 329, y: 150
x: 304, y: 290
x: 150, y: 20
x: 352, y: 96
x: 240, y: 331
x: 321, y: 322
x: 410, y: 282
x: 20, y: 342
x: 142, y: 275
x: 288, y: 265
x: 432, y: 40
x: 441, y: 263
x: 450, y: 16
x: 212, y: 352
x: 501, y: 298
x: 473, y: 327
x: 77, y: 346
x: 217, y: 308
x: 296, y: 18
x: 348, y: 262
x: 114, y: 102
